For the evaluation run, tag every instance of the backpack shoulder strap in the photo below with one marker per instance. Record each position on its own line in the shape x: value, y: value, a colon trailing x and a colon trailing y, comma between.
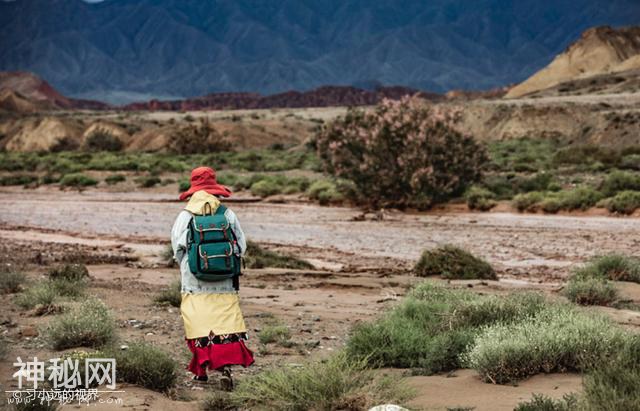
x: 221, y: 210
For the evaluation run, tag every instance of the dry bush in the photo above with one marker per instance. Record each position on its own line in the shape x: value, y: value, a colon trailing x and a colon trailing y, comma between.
x: 198, y: 138
x: 401, y: 154
x: 453, y: 262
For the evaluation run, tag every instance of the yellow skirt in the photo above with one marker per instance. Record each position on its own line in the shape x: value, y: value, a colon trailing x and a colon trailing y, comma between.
x: 206, y: 313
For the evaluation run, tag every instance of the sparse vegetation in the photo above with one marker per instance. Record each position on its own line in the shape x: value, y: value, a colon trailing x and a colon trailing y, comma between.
x: 453, y: 262
x: 77, y: 180
x: 590, y: 291
x: 148, y: 181
x: 11, y: 279
x: 274, y: 332
x: 336, y: 383
x: 198, y: 138
x: 325, y: 192
x: 543, y: 403
x: 433, y: 325
x: 258, y: 257
x: 170, y: 295
x: 479, y: 198
x: 557, y: 338
x: 101, y: 140
x: 114, y: 179
x: 89, y: 324
x: 147, y: 366
x: 614, y: 267
x: 71, y: 272
x: 624, y: 202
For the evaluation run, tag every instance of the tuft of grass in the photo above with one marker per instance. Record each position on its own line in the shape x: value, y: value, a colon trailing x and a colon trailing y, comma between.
x: 625, y: 202
x: 539, y: 402
x: 479, y: 198
x: 218, y: 401
x: 43, y: 295
x: 616, y: 267
x: 325, y: 192
x: 89, y: 324
x: 266, y: 188
x: 453, y: 262
x: 148, y: 181
x: 528, y: 201
x: 258, y: 257
x: 77, y: 180
x: 433, y: 325
x: 334, y: 384
x: 71, y: 272
x: 590, y: 291
x: 11, y: 279
x: 618, y: 181
x: 558, y: 338
x: 171, y: 295
x: 613, y: 384
x: 274, y: 333
x: 147, y: 366
x: 114, y: 179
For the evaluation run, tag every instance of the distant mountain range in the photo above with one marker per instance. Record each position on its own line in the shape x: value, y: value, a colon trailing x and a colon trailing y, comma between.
x: 131, y: 50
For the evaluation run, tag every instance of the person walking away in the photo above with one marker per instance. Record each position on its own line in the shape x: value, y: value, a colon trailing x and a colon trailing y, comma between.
x: 208, y: 244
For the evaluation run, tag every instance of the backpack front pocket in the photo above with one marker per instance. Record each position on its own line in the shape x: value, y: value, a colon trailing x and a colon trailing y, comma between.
x: 216, y: 258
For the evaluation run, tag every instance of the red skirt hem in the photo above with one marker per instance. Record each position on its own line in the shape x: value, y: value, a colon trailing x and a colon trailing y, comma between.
x: 216, y: 356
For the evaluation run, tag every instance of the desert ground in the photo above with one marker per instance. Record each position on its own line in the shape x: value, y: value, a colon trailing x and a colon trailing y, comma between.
x: 361, y: 267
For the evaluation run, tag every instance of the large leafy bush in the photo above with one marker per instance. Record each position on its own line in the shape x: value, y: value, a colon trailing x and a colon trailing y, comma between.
x: 401, y: 154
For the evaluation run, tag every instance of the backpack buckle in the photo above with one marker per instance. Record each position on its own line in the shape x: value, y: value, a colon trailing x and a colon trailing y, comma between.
x: 201, y: 231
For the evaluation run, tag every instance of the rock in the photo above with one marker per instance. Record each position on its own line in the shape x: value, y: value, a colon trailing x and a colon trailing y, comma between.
x: 124, y: 347
x: 388, y: 407
x: 316, y: 318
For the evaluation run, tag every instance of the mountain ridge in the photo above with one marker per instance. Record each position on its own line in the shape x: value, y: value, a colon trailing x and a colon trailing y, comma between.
x: 176, y: 49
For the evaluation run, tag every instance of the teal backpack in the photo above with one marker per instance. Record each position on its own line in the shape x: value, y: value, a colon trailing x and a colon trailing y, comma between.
x: 210, y: 247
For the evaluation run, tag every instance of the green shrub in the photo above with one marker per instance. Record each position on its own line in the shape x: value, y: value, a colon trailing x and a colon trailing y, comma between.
x: 148, y: 181
x: 170, y: 295
x: 325, y: 192
x: 590, y: 291
x: 11, y: 279
x: 612, y: 385
x: 615, y: 267
x: 527, y: 201
x: 580, y: 198
x: 147, y: 366
x: 258, y: 257
x: 114, y: 179
x: 586, y: 154
x: 630, y: 162
x: 455, y: 263
x: 77, y: 180
x: 87, y: 325
x: 401, y: 154
x: 71, y: 272
x: 266, y: 188
x: 433, y: 325
x: 558, y: 338
x: 618, y: 181
x: 42, y: 295
x: 17, y: 180
x: 625, y: 202
x: 541, y: 402
x: 479, y: 198
x: 334, y: 384
x: 274, y: 333
x: 101, y: 140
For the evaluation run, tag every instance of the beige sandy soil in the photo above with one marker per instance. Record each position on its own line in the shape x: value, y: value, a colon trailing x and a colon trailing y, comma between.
x: 362, y: 268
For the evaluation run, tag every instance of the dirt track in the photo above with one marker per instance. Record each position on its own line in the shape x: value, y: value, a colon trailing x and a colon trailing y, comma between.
x: 518, y: 244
